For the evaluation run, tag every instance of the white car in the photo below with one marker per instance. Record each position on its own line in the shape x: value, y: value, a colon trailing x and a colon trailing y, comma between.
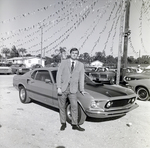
x: 4, y: 69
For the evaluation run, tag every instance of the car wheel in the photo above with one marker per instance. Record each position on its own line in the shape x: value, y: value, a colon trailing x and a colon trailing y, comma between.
x: 112, y: 81
x: 81, y: 114
x: 143, y: 94
x: 23, y: 95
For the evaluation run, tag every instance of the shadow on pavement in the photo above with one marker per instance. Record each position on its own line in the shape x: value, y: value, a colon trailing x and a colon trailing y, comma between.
x: 89, y: 119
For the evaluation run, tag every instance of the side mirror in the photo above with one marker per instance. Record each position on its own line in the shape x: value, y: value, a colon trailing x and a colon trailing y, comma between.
x: 47, y: 81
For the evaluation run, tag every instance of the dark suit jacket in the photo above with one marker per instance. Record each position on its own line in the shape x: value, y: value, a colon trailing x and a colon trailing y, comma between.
x: 76, y: 78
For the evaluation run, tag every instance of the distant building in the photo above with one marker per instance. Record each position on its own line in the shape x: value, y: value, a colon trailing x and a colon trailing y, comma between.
x: 97, y: 63
x: 28, y: 61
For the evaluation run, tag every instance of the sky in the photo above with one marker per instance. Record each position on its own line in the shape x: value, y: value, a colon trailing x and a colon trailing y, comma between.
x: 89, y: 25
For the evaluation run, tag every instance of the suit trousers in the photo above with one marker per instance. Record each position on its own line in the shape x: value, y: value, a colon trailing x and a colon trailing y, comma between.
x: 62, y: 106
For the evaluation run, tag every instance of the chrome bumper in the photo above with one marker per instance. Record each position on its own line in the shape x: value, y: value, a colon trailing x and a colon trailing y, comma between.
x: 110, y: 113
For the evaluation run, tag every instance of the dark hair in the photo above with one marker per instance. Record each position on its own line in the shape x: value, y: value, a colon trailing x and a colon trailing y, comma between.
x: 74, y: 49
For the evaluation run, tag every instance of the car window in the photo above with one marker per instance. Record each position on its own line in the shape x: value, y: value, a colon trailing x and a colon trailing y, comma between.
x: 33, y: 74
x: 101, y: 69
x: 146, y: 71
x: 54, y: 73
x: 42, y: 75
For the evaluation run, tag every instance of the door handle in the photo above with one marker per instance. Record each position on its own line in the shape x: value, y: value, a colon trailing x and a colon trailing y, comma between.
x: 30, y: 81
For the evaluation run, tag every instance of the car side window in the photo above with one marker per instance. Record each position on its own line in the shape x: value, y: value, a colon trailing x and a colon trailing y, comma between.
x: 54, y: 73
x: 33, y: 74
x: 42, y: 75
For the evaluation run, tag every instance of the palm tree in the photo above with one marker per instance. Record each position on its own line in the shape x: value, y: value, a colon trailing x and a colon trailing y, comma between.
x: 6, y: 51
x: 61, y: 52
x: 22, y: 51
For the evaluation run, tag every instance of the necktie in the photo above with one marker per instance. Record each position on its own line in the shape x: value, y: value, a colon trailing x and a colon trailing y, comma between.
x: 72, y: 66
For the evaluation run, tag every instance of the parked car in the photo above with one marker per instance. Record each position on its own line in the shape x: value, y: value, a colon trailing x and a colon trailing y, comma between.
x: 5, y: 69
x: 19, y: 69
x: 141, y: 87
x: 101, y: 101
x: 36, y: 66
x: 145, y: 74
x: 101, y: 74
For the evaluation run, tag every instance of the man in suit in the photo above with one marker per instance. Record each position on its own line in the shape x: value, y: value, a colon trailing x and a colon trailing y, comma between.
x: 70, y: 80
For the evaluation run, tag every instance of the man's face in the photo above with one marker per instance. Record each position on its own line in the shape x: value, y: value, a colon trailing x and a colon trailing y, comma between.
x: 74, y: 55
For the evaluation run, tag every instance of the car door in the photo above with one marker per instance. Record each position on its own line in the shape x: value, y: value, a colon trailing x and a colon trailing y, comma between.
x: 42, y: 87
x: 30, y: 81
x: 55, y: 97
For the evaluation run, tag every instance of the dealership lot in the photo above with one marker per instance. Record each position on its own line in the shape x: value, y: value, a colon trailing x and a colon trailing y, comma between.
x: 35, y: 126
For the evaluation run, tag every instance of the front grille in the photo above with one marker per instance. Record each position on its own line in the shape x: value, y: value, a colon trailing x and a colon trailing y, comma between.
x: 95, y: 75
x: 120, y: 103
x: 133, y: 78
x: 103, y: 76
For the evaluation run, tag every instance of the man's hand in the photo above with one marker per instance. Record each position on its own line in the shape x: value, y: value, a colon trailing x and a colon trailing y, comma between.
x: 59, y: 91
x: 83, y: 93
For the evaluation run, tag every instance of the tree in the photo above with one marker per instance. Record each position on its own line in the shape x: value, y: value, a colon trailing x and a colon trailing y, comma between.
x: 100, y: 56
x: 110, y: 60
x: 28, y: 55
x: 22, y: 51
x: 39, y: 55
x: 61, y: 52
x: 87, y: 58
x: 14, y: 52
x: 6, y: 51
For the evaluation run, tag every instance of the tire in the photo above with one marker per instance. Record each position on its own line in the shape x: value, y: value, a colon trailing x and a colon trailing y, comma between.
x: 23, y: 95
x: 81, y: 114
x: 143, y: 94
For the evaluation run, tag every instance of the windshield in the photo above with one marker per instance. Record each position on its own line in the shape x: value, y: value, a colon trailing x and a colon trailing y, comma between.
x: 146, y: 71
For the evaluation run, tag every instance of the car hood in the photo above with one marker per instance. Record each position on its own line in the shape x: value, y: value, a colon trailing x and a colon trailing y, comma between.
x: 107, y: 90
x: 140, y: 75
x: 142, y: 82
x: 4, y: 67
x: 101, y: 72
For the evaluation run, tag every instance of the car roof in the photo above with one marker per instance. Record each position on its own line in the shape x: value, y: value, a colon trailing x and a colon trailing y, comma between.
x: 47, y: 68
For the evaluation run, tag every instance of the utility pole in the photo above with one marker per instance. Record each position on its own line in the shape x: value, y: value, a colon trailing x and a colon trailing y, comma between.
x: 120, y: 43
x: 126, y: 34
x: 41, y: 42
x: 41, y: 27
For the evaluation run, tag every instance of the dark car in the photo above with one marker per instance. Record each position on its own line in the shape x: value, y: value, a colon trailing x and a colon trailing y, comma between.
x: 101, y: 74
x: 19, y: 69
x: 100, y: 101
x: 36, y: 66
x: 141, y: 87
x: 145, y: 74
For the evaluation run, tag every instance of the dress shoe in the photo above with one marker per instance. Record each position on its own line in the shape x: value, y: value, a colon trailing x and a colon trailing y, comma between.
x: 77, y: 127
x: 63, y: 126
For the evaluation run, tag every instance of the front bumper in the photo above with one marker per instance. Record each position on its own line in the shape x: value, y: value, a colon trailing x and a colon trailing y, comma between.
x: 110, y: 113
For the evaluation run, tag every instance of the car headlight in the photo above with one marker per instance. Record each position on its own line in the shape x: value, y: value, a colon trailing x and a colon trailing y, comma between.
x: 132, y: 100
x: 126, y: 79
x: 20, y: 69
x: 108, y: 104
x: 95, y: 104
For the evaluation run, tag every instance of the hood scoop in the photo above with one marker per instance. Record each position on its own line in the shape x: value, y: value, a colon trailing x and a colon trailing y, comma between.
x: 110, y: 92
